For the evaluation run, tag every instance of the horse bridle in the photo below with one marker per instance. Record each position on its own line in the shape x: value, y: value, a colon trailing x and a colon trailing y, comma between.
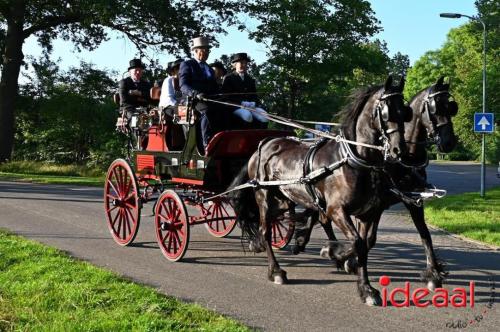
x: 382, y: 113
x: 429, y: 108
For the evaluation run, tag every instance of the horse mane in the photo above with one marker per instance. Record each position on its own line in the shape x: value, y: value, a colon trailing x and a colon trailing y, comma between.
x: 350, y: 113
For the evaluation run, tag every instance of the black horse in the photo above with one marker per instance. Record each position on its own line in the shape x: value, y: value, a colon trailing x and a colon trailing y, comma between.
x: 431, y: 124
x: 349, y: 181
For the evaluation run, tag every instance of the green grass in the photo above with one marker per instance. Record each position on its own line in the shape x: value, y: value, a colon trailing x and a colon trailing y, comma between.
x: 77, y: 180
x: 42, y: 289
x: 45, y: 168
x: 42, y: 172
x: 469, y: 215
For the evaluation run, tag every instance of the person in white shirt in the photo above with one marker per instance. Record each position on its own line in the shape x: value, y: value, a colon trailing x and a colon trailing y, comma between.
x: 170, y: 91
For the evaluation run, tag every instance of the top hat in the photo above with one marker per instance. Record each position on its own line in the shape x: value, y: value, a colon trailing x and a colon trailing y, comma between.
x: 239, y: 57
x: 200, y: 42
x: 172, y: 64
x: 136, y: 63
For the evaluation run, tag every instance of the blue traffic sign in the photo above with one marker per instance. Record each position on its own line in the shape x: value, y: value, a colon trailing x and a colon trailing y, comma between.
x: 483, y: 122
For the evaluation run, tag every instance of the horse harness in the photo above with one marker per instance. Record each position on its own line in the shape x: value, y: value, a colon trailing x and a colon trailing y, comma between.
x: 311, y: 177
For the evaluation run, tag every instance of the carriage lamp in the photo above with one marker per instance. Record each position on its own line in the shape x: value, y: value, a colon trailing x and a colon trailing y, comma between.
x: 456, y: 15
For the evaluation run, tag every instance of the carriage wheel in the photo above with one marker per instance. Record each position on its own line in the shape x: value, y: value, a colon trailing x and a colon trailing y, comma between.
x: 122, y: 202
x: 172, y: 227
x: 223, y: 218
x: 282, y: 232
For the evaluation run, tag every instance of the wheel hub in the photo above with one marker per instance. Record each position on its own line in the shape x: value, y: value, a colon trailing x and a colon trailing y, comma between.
x: 117, y: 202
x: 164, y: 226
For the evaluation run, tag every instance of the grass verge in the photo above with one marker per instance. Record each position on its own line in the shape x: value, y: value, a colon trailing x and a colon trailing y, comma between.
x: 42, y: 289
x: 53, y: 179
x: 43, y: 172
x: 469, y: 215
x: 46, y: 168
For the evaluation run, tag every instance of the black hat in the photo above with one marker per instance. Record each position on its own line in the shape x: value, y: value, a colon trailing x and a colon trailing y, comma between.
x: 239, y: 57
x: 220, y: 65
x: 172, y: 64
x: 136, y: 63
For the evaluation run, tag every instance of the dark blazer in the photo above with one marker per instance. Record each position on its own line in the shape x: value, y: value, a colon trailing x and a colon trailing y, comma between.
x: 233, y: 83
x: 129, y: 101
x: 193, y: 80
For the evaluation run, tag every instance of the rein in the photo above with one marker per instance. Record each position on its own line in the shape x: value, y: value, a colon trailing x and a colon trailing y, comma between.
x: 294, y: 124
x: 309, y: 177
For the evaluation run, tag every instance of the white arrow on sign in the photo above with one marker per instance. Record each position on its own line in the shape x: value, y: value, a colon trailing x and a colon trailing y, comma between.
x: 483, y: 123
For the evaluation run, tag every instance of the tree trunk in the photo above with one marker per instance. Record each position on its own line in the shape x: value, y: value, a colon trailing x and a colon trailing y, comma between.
x: 12, y: 60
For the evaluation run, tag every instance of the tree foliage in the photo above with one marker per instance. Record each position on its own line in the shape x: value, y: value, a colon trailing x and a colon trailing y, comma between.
x: 461, y: 59
x: 67, y: 116
x: 313, y: 48
x: 164, y: 25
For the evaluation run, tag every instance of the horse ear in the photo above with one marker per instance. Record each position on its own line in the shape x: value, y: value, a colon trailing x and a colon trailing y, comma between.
x: 388, y: 83
x: 440, y: 81
x: 402, y: 83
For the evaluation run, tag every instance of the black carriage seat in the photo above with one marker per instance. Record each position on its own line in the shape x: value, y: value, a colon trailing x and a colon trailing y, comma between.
x: 240, y: 143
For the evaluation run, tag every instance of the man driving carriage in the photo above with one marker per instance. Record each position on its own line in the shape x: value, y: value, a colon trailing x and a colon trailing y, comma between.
x: 133, y: 90
x: 197, y: 79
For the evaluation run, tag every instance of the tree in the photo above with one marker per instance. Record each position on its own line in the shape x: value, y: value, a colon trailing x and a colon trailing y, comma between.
x: 65, y: 116
x: 165, y: 25
x: 313, y: 45
x: 399, y: 64
x: 460, y: 59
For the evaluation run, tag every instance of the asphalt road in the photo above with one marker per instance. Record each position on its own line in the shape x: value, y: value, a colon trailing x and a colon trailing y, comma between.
x: 219, y: 275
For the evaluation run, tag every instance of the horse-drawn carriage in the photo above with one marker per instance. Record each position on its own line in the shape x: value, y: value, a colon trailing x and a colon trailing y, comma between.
x: 167, y: 160
x: 378, y: 159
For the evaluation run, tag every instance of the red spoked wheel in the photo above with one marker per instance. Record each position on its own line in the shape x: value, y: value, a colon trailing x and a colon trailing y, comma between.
x: 172, y: 227
x: 222, y: 218
x: 282, y: 231
x: 121, y: 202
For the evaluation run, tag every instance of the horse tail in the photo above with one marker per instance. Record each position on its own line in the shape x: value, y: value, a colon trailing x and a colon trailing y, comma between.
x: 245, y: 206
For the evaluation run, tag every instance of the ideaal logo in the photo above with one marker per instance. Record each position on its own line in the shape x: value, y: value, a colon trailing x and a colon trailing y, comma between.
x: 460, y: 296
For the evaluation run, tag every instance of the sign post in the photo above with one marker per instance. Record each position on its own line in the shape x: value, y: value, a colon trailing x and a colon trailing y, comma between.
x: 483, y: 123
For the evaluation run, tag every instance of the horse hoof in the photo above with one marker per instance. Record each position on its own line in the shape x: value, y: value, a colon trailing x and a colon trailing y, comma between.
x: 325, y: 253
x: 373, y: 301
x: 254, y: 247
x: 351, y: 266
x: 278, y: 280
x: 295, y: 250
x: 431, y: 285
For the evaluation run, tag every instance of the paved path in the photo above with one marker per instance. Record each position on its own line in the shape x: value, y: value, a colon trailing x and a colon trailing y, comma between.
x: 217, y: 273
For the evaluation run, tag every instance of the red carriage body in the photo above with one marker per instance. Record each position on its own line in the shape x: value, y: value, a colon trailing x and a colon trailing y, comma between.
x: 168, y: 161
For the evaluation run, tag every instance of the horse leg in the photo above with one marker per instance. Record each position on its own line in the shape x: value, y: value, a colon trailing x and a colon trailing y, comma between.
x: 434, y: 274
x: 267, y: 211
x: 257, y: 244
x: 359, y: 249
x: 303, y: 230
x: 369, y: 230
